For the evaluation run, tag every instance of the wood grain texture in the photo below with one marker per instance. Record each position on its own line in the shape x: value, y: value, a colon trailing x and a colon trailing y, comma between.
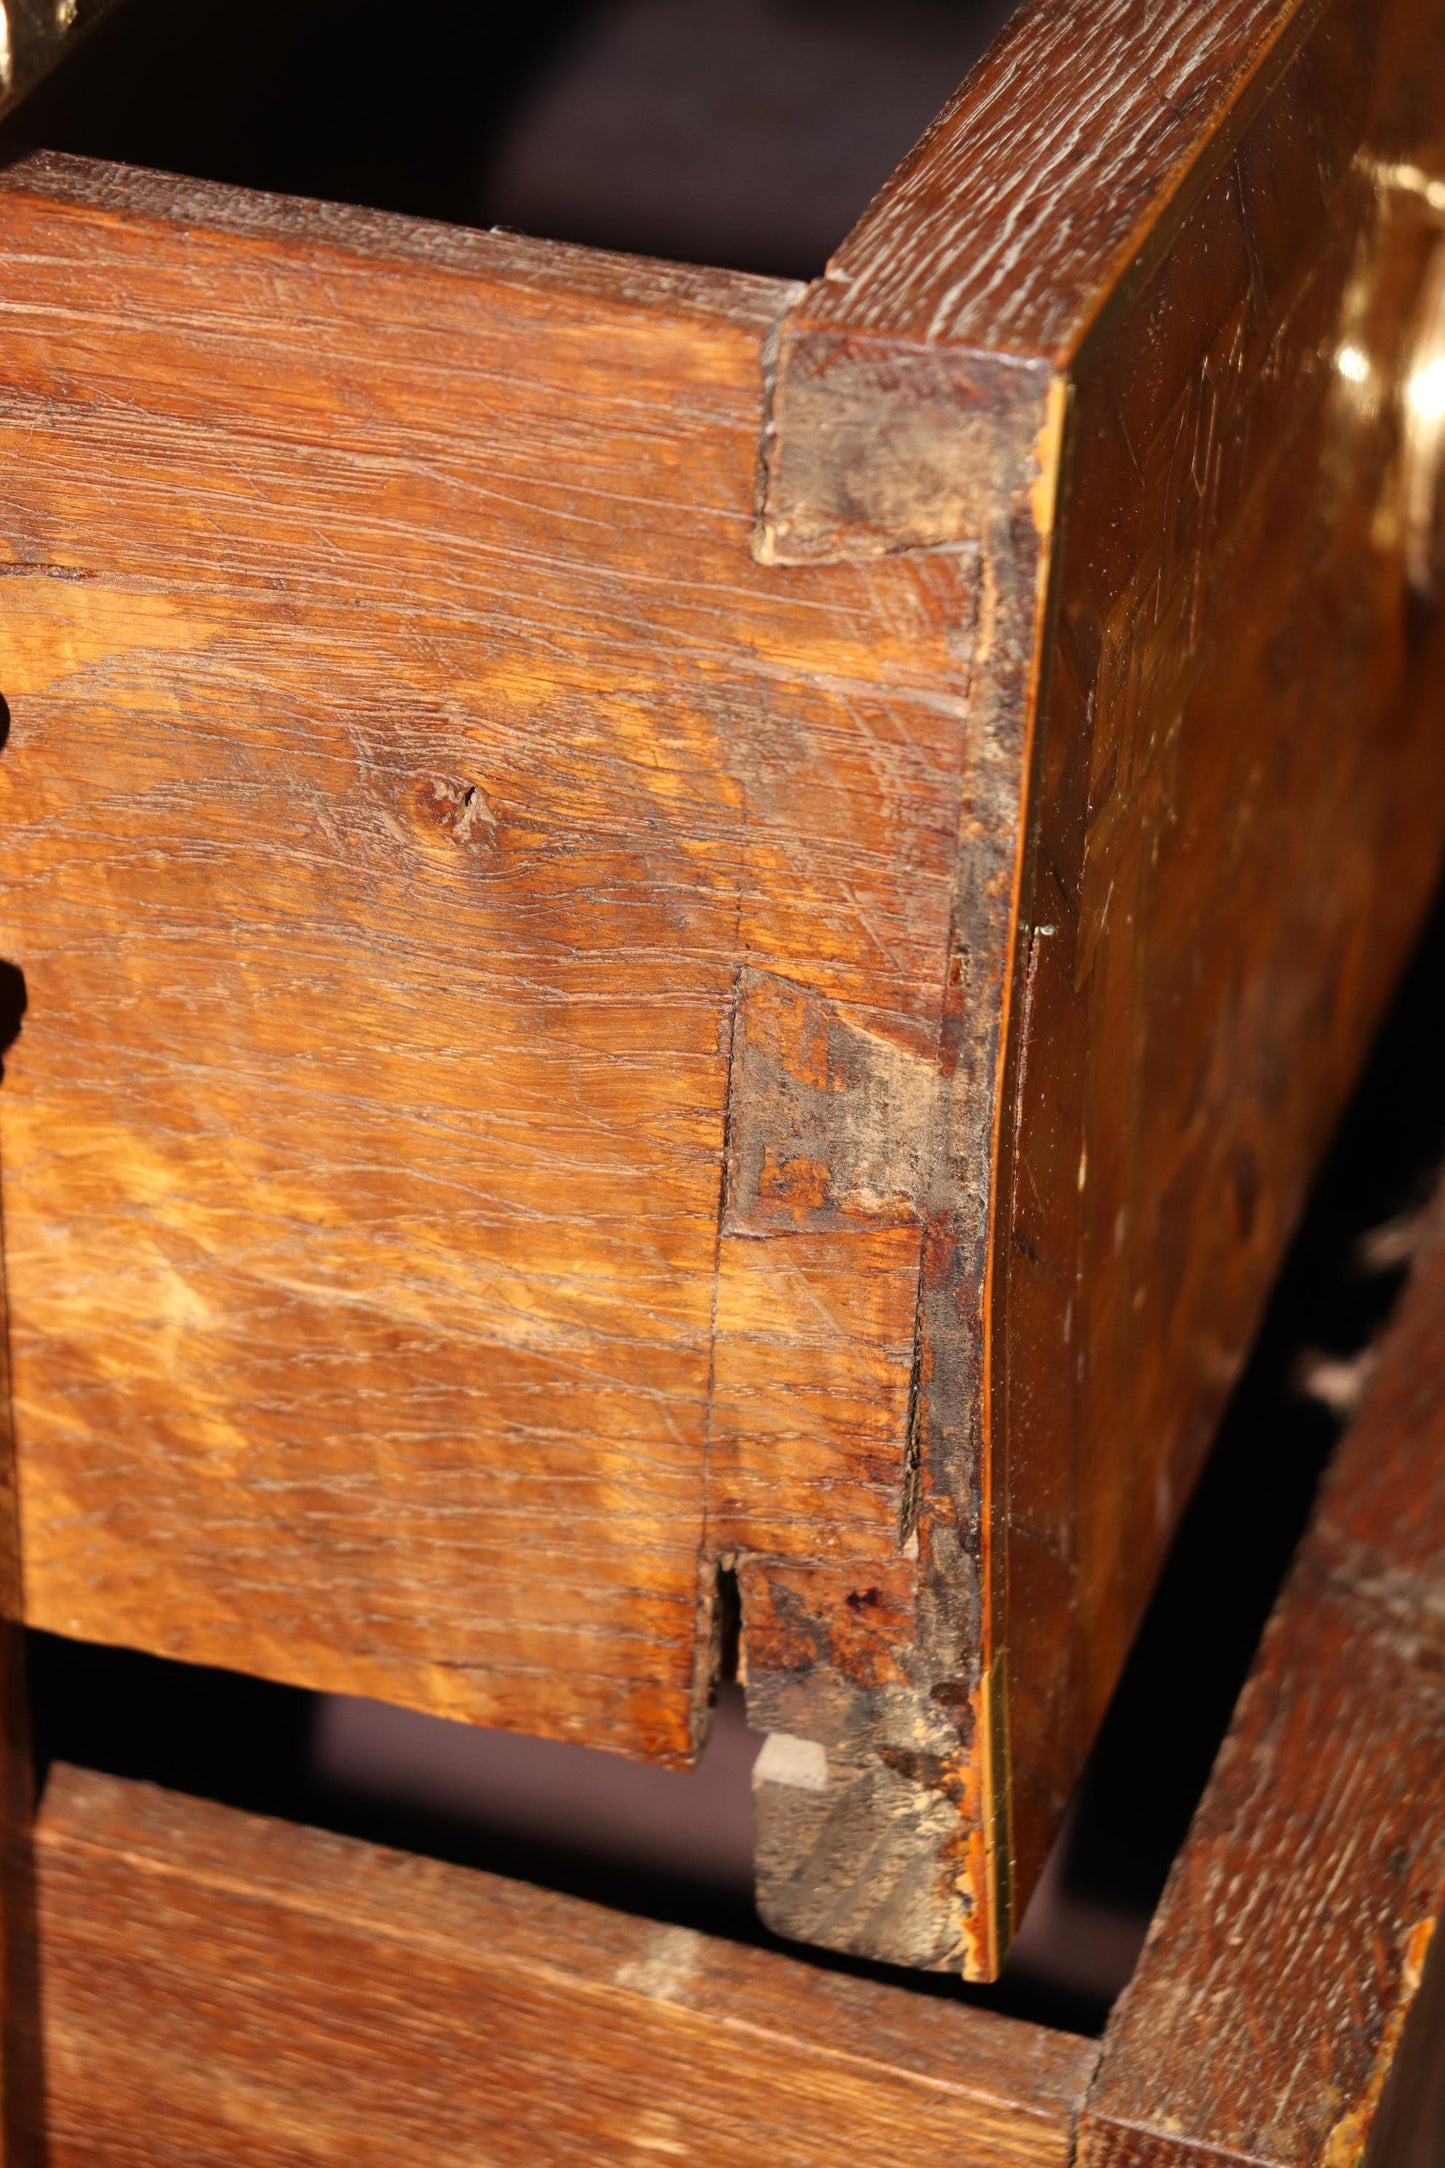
x: 1288, y: 2009
x: 578, y: 1058
x: 22, y: 2099
x: 1090, y: 330
x: 1058, y: 172
x: 22, y: 2087
x: 412, y: 783
x: 1237, y: 872
x: 292, y: 1997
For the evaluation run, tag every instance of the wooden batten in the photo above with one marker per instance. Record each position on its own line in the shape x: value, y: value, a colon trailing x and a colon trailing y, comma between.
x: 1289, y: 2006
x: 295, y: 1997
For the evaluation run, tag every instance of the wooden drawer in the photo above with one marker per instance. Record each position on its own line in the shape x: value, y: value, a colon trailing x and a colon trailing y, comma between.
x: 605, y: 1041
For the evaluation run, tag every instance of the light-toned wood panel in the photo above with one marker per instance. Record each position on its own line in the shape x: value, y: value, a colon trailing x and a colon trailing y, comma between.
x: 291, y: 1997
x: 407, y: 763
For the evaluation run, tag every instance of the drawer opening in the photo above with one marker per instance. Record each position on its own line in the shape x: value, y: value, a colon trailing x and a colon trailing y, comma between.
x: 676, y: 1848
x: 749, y: 134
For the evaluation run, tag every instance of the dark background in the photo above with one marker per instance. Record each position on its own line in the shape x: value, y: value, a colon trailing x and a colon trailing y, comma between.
x: 749, y: 133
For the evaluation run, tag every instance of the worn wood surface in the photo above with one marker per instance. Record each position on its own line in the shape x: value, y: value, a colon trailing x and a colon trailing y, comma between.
x: 1289, y: 2007
x: 22, y: 2103
x: 1056, y: 174
x: 567, y: 1059
x: 1090, y: 329
x: 223, y: 1990
x: 413, y: 791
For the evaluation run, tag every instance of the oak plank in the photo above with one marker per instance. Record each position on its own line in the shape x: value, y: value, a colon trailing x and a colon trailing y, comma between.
x: 293, y: 1997
x: 1237, y: 875
x: 1089, y: 330
x: 1057, y: 172
x: 407, y: 762
x: 1288, y: 2008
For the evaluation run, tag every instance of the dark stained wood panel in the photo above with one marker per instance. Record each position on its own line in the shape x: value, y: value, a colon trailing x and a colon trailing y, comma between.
x: 1236, y: 874
x: 291, y: 1998
x: 1288, y: 2009
x: 1063, y: 163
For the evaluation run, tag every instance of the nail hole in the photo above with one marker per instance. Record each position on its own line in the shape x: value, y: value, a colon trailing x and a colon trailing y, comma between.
x: 458, y: 808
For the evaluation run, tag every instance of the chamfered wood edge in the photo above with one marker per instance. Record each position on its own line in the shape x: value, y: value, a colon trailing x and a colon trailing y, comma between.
x: 746, y: 300
x: 1054, y: 177
x: 1313, y: 2031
